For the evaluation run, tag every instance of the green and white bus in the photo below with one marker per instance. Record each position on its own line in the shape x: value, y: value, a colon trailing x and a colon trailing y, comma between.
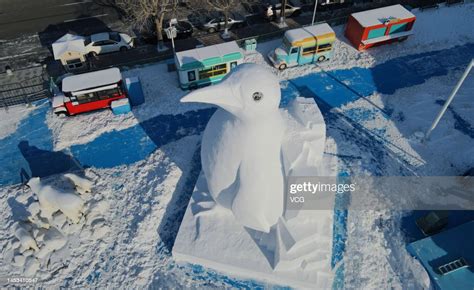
x: 207, y: 65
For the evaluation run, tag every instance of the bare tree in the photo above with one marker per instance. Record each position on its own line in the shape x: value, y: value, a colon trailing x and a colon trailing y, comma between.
x: 141, y: 12
x: 225, y: 7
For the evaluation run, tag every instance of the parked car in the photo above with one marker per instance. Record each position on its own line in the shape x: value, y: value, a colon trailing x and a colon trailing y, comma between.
x: 273, y: 11
x: 184, y: 29
x: 106, y: 42
x: 214, y: 24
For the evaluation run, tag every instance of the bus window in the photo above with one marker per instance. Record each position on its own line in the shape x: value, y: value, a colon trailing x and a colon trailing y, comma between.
x: 213, y: 71
x: 191, y: 76
x: 378, y: 32
x: 294, y: 50
x: 398, y: 28
x: 106, y: 94
x: 309, y: 50
x: 324, y: 47
x: 86, y: 98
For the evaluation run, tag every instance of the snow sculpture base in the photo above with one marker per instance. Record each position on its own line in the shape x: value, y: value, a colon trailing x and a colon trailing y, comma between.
x: 210, y: 236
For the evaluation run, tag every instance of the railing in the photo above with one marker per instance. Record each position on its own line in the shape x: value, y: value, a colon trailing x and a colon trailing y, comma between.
x: 27, y: 91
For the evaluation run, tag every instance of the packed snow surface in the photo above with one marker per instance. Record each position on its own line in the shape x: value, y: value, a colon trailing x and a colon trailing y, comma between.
x: 11, y: 118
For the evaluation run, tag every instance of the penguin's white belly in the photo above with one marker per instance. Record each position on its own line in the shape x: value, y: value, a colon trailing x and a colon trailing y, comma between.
x: 242, y: 164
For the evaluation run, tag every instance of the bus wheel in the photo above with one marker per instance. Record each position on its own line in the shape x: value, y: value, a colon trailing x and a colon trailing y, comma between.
x: 123, y: 48
x: 401, y: 39
x: 61, y: 114
x: 282, y: 66
x: 321, y: 58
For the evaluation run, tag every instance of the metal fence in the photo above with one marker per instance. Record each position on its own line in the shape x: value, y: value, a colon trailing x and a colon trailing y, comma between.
x: 23, y: 92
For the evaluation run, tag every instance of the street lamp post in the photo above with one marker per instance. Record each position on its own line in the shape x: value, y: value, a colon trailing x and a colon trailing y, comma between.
x: 449, y: 100
x: 171, y: 31
x: 314, y: 11
x: 282, y: 22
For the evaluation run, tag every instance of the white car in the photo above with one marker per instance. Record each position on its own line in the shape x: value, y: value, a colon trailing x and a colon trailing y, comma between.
x: 218, y: 23
x: 106, y: 42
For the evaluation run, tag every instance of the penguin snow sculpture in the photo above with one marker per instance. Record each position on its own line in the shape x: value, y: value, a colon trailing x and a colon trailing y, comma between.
x: 241, y: 145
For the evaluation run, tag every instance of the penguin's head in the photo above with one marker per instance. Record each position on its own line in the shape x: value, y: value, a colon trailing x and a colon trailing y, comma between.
x: 248, y: 89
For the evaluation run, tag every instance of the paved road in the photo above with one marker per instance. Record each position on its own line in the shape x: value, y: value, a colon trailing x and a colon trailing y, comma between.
x: 32, y: 16
x: 28, y: 27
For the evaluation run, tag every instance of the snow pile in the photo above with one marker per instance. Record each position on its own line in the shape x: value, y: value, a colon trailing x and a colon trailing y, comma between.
x: 54, y: 216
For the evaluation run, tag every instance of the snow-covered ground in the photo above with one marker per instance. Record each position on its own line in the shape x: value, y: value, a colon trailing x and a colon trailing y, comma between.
x: 141, y: 203
x: 374, y: 241
x: 11, y: 118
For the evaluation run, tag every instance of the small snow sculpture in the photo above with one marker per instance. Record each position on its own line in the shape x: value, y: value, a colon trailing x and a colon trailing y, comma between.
x: 25, y: 238
x: 82, y: 184
x: 52, y: 200
x: 241, y: 145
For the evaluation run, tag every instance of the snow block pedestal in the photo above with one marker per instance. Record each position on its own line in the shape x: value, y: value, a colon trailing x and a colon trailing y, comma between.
x: 212, y: 238
x: 135, y: 92
x: 296, y: 252
x: 121, y: 106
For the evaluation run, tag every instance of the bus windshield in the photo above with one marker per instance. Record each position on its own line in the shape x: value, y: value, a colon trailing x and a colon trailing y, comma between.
x: 286, y: 44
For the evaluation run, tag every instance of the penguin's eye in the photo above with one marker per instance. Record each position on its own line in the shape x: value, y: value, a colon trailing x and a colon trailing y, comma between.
x: 257, y: 96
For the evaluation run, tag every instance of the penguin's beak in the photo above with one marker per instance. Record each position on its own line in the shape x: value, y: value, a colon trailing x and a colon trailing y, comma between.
x: 220, y: 95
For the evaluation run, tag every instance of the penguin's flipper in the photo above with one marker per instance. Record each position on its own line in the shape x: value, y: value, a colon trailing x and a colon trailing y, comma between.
x: 249, y: 207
